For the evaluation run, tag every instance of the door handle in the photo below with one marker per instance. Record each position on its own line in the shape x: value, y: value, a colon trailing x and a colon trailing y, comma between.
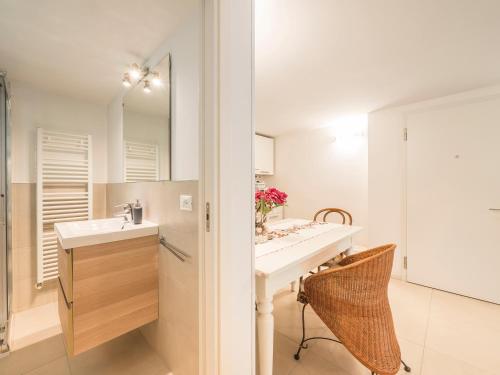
x: 494, y: 209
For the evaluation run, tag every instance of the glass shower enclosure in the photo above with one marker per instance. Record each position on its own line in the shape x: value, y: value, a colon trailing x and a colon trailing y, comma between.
x: 4, y: 213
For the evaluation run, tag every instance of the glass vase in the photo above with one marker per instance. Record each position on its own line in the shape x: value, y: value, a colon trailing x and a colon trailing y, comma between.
x: 261, y: 232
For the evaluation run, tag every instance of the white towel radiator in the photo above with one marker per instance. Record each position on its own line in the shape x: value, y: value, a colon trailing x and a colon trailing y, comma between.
x: 141, y: 162
x: 64, y: 191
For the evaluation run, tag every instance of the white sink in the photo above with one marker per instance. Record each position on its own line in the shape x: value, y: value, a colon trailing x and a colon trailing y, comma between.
x: 93, y: 232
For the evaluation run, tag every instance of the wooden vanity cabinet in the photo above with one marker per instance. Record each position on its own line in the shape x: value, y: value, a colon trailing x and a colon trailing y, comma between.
x: 106, y: 290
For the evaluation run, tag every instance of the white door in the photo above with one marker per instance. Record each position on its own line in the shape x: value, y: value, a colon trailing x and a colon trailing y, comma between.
x: 453, y: 199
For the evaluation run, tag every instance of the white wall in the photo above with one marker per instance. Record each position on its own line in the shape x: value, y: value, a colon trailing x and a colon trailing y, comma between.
x: 33, y: 107
x: 386, y: 177
x: 317, y: 171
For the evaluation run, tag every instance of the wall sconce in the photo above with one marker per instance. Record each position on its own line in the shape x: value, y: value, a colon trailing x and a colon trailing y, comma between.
x: 348, y: 133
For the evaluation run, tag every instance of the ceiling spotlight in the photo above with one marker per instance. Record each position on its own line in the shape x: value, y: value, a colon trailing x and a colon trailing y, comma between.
x: 126, y: 80
x: 135, y: 71
x: 147, y: 87
x: 156, y: 79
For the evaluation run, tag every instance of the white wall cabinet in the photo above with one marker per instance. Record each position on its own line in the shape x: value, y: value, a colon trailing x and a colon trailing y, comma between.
x: 264, y: 155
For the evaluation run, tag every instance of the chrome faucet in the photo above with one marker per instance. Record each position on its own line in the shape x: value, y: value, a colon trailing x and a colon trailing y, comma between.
x: 127, y: 210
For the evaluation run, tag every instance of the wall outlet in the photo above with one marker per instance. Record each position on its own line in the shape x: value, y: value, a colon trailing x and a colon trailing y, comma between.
x: 186, y: 203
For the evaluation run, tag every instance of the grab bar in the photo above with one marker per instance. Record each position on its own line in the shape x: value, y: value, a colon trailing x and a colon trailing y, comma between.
x: 179, y: 254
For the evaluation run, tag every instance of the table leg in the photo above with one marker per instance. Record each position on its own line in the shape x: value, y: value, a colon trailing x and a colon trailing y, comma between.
x: 265, y: 332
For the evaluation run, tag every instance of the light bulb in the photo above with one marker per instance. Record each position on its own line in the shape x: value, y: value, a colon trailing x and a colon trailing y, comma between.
x: 126, y: 80
x: 156, y: 79
x: 135, y: 71
x: 147, y: 87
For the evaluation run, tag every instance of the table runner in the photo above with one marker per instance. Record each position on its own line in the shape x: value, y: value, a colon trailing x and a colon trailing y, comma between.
x: 292, y: 239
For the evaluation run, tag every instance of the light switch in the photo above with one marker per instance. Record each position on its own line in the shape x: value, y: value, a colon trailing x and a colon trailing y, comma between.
x: 186, y: 203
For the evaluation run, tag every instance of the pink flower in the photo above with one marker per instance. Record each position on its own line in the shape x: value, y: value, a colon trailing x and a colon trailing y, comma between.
x: 271, y: 197
x: 276, y: 196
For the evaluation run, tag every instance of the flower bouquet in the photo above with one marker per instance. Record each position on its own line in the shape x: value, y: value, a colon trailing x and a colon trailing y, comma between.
x: 265, y: 201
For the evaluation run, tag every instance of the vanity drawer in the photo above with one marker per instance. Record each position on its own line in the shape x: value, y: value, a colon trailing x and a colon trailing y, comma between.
x: 65, y: 260
x: 106, y: 290
x: 65, y: 310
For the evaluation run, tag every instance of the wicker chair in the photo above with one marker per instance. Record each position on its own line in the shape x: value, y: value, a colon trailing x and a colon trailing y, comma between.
x: 352, y: 301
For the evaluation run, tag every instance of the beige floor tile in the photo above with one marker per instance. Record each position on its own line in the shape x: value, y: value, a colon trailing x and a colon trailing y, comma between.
x: 312, y: 363
x: 33, y: 325
x: 465, y: 329
x: 283, y: 361
x: 412, y: 354
x: 288, y: 316
x: 32, y: 357
x: 58, y: 367
x: 128, y: 354
x: 435, y: 363
x: 410, y: 306
x: 340, y: 358
x: 326, y: 357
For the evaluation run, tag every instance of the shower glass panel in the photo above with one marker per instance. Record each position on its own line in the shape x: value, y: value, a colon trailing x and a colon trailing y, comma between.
x: 3, y: 209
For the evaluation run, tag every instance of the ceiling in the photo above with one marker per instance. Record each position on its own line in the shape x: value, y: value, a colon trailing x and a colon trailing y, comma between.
x: 323, y: 59
x: 81, y: 48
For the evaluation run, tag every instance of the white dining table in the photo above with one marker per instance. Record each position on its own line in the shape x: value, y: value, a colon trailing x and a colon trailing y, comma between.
x: 283, y: 260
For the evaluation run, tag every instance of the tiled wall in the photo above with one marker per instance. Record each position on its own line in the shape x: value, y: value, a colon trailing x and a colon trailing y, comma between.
x: 25, y: 295
x: 175, y: 335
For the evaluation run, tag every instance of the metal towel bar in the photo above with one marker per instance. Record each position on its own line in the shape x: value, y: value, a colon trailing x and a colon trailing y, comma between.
x: 179, y: 254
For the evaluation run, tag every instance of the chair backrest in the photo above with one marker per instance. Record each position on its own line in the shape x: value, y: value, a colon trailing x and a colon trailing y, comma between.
x: 346, y: 216
x: 352, y: 301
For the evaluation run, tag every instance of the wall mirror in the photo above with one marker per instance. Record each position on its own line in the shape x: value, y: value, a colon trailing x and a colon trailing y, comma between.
x: 147, y: 126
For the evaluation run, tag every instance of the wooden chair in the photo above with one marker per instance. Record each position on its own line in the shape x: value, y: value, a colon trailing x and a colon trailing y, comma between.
x: 346, y: 219
x: 352, y: 301
x: 346, y: 216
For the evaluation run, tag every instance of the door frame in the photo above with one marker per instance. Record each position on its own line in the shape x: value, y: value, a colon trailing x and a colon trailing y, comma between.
x: 227, y: 314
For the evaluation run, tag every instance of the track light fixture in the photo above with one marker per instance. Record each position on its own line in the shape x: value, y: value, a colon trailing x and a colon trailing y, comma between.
x: 126, y: 80
x: 156, y: 79
x: 147, y: 86
x: 137, y: 74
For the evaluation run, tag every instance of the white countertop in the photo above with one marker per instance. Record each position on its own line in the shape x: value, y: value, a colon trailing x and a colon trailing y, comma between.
x: 92, y: 232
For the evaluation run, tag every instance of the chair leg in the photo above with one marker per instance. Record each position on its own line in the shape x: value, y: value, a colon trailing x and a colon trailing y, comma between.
x: 302, y: 345
x: 406, y: 367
